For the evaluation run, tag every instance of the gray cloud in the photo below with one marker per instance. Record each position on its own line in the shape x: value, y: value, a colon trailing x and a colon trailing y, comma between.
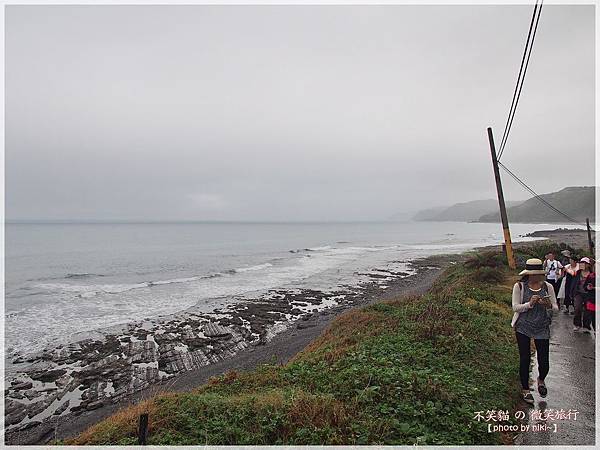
x: 287, y: 112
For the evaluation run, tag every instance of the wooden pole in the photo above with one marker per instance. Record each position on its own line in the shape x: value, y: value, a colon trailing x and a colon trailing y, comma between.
x: 590, y: 241
x: 507, y: 242
x: 143, y: 429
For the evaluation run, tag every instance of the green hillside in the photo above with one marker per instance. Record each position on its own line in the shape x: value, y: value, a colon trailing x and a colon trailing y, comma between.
x: 577, y: 202
x: 460, y: 212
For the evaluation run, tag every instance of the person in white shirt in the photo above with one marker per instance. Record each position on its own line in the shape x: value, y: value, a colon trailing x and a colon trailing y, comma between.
x: 553, y: 268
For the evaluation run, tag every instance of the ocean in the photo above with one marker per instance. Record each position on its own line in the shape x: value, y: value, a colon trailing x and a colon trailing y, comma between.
x: 63, y: 280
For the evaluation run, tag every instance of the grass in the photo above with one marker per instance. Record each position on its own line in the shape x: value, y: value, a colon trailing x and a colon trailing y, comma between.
x: 409, y: 371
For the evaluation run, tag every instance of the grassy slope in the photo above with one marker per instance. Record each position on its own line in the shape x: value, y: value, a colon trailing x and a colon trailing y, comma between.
x: 412, y: 370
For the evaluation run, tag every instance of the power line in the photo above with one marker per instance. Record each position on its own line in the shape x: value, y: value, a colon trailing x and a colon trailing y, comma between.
x: 512, y: 104
x: 537, y: 196
x: 521, y: 76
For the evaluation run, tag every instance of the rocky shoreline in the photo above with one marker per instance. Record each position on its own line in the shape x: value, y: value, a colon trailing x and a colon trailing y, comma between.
x: 63, y: 382
x: 575, y: 237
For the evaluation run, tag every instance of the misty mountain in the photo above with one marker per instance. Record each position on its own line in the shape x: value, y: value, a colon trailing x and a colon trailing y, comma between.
x: 460, y: 212
x: 577, y: 202
x: 427, y: 214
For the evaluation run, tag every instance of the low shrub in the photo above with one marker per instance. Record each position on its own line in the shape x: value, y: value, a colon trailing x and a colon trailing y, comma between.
x: 487, y: 259
x: 488, y: 275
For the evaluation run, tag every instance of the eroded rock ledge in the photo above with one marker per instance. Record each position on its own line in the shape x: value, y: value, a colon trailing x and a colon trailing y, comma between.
x: 88, y: 374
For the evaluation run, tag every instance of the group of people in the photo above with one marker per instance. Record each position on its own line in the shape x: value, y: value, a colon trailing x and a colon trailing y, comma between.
x: 574, y: 283
x: 536, y: 295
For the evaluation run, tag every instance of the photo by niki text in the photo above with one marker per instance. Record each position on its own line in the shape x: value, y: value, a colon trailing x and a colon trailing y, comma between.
x: 544, y: 420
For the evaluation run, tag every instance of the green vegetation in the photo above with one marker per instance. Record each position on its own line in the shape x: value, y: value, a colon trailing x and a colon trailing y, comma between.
x: 577, y: 202
x: 410, y: 371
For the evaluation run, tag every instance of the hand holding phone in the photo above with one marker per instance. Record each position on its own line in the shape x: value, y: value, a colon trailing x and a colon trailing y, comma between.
x: 545, y: 301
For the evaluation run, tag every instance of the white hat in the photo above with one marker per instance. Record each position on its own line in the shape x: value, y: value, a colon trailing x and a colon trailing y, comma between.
x: 533, y: 266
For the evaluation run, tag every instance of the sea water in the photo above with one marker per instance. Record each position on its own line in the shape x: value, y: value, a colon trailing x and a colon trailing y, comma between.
x: 65, y: 279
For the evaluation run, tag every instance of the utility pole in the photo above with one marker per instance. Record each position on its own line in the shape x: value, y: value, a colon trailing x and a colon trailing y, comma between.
x: 507, y: 242
x: 590, y: 241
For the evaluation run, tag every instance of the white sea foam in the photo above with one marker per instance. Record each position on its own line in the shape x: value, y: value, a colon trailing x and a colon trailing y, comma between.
x: 253, y: 268
x: 316, y: 249
x: 65, y: 307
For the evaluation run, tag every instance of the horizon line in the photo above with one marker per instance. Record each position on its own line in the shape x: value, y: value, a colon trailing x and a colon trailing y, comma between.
x: 206, y: 221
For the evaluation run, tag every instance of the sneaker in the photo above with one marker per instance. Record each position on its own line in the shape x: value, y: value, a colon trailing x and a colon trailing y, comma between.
x: 527, y: 398
x: 542, y: 389
x: 587, y: 330
x: 576, y: 328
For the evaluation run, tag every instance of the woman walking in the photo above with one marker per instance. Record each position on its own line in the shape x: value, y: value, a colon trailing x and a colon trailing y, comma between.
x: 532, y: 298
x: 566, y: 287
x: 553, y: 271
x: 584, y: 296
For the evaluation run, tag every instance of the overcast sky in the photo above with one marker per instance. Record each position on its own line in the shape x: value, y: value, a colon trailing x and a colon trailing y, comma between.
x: 287, y: 112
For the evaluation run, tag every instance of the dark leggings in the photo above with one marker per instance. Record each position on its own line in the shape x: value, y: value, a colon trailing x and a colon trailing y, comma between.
x: 542, y: 349
x: 579, y: 305
x: 589, y: 319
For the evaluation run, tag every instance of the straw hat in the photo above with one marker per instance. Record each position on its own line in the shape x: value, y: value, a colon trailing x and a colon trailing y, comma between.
x: 566, y: 253
x: 533, y: 266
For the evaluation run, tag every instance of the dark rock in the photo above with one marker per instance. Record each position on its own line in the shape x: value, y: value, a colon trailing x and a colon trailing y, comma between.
x: 215, y: 330
x: 21, y: 386
x: 61, y: 408
x: 94, y: 405
x: 63, y: 381
x: 15, y: 417
x: 11, y: 406
x: 142, y: 351
x: 34, y: 409
x: 48, y: 376
x: 25, y: 426
x: 31, y: 394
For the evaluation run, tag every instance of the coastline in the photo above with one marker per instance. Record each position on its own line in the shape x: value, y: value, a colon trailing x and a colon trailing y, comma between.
x: 235, y: 350
x: 147, y: 357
